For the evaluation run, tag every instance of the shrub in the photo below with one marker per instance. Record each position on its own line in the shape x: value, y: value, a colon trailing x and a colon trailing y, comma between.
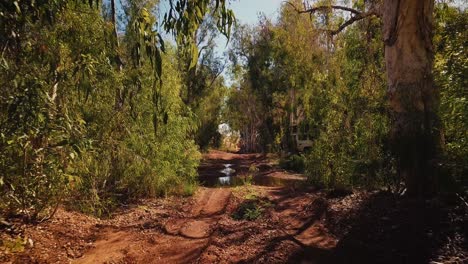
x: 294, y: 162
x: 251, y: 209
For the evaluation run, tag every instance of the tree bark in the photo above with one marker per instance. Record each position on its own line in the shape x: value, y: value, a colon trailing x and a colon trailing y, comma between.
x: 413, y: 97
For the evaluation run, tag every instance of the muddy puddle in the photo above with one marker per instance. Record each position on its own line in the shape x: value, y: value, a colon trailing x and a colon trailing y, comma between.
x: 228, y: 177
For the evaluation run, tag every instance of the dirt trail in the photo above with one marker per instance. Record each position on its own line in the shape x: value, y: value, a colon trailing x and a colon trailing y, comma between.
x: 182, y: 240
x: 209, y: 205
x: 197, y: 229
x: 211, y: 202
x: 298, y: 224
x: 203, y: 230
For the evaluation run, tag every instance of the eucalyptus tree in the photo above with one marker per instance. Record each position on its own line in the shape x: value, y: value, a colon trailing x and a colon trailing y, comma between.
x: 204, y: 89
x: 59, y: 61
x: 413, y: 97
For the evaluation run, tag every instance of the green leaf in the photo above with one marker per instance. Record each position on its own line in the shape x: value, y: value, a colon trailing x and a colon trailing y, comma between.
x: 18, y: 9
x: 158, y: 63
x: 161, y: 43
x: 194, y: 61
x: 199, y: 12
x: 41, y: 117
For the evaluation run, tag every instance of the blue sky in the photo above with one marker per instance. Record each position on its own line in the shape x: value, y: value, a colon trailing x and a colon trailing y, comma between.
x: 247, y: 11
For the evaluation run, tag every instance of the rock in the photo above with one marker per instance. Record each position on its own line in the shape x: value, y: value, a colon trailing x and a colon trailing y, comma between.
x: 30, y: 243
x: 196, y: 229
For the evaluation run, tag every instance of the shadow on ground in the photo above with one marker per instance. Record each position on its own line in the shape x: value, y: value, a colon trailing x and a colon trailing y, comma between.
x: 390, y: 229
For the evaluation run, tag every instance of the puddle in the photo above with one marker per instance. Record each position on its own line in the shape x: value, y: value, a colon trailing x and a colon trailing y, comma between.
x: 227, y: 177
x: 226, y: 180
x: 228, y: 171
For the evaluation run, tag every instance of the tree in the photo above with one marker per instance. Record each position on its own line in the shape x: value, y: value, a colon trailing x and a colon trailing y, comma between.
x: 450, y: 71
x: 413, y: 97
x: 408, y: 29
x: 204, y: 87
x: 66, y: 131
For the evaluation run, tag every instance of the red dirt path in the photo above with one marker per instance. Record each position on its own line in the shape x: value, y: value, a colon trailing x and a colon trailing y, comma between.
x: 300, y: 225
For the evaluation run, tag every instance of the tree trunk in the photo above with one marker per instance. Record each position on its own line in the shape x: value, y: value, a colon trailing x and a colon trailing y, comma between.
x: 413, y: 97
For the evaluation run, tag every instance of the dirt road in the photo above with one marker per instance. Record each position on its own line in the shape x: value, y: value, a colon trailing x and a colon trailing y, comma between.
x: 293, y: 224
x: 173, y: 240
x: 204, y: 230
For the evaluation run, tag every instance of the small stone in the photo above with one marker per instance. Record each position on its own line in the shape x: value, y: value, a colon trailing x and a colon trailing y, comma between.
x: 30, y: 242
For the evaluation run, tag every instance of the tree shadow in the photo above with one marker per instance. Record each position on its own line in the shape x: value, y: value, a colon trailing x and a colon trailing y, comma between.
x: 384, y: 229
x: 394, y: 229
x: 285, y: 200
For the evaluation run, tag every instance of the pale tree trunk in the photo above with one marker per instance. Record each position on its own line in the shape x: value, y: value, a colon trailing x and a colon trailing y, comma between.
x: 413, y: 97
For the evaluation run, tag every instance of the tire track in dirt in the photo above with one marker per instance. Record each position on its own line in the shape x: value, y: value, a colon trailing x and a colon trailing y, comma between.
x: 211, y: 202
x: 184, y: 239
x: 209, y: 205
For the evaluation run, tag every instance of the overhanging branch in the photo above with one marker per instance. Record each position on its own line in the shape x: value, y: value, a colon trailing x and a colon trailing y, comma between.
x: 356, y: 14
x: 324, y: 8
x: 352, y: 20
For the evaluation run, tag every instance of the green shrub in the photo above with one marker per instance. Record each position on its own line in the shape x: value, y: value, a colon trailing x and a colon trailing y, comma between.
x: 450, y: 71
x: 75, y: 127
x: 251, y: 209
x: 294, y: 162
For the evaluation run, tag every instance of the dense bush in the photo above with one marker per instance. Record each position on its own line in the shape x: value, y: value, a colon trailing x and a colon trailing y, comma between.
x: 291, y: 74
x: 294, y: 75
x: 350, y: 149
x: 42, y: 84
x: 77, y: 125
x: 451, y: 69
x: 294, y: 162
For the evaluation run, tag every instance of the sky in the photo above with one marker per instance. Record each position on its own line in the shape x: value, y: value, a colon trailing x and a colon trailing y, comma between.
x: 248, y: 11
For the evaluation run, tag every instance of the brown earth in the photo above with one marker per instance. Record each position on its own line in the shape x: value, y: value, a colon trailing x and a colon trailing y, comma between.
x: 299, y: 224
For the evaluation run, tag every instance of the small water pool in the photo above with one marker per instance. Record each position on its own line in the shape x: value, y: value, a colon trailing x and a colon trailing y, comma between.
x: 228, y: 177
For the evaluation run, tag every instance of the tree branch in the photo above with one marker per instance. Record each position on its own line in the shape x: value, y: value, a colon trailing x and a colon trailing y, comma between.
x: 217, y: 75
x: 324, y: 8
x: 352, y: 20
x: 356, y: 14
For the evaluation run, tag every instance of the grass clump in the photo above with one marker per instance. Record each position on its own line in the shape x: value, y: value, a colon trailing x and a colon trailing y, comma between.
x: 251, y: 209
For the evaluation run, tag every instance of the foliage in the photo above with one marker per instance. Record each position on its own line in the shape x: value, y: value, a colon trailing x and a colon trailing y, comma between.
x: 203, y: 88
x: 451, y: 69
x: 251, y: 209
x: 294, y: 162
x: 92, y: 114
x: 351, y: 147
x: 293, y: 75
x: 40, y: 133
x: 96, y: 108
